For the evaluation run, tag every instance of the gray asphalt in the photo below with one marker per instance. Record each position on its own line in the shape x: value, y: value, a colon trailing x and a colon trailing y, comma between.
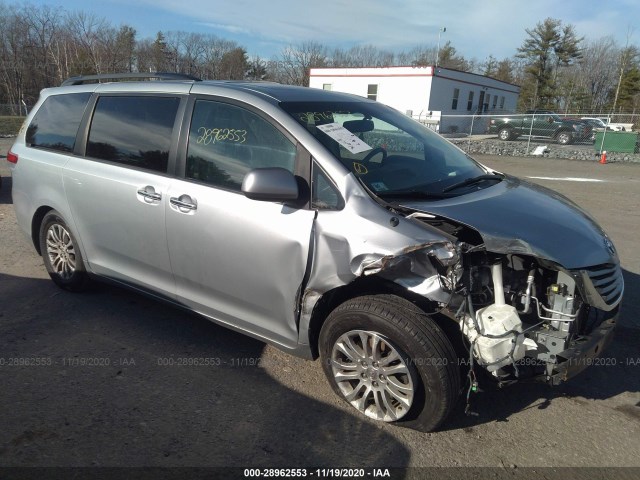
x: 253, y: 406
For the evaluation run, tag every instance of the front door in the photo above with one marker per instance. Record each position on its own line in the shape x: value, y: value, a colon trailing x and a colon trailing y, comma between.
x: 239, y: 261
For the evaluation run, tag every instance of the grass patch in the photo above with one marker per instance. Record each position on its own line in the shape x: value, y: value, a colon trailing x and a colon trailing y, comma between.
x: 10, y: 125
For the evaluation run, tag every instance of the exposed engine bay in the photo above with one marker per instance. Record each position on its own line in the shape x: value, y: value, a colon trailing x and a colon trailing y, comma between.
x: 521, y: 316
x: 514, y: 309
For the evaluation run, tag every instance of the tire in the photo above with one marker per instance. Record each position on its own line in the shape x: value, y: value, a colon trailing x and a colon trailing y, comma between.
x: 564, y: 138
x: 408, y: 373
x: 61, y: 254
x: 505, y: 134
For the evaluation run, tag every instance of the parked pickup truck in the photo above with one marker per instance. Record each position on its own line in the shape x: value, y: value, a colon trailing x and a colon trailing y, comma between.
x: 540, y: 124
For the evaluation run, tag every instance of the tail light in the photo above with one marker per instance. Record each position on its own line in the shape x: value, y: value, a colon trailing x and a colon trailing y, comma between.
x: 12, y: 157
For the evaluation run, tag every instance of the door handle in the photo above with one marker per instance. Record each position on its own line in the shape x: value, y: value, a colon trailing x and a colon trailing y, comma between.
x: 149, y: 193
x: 184, y: 202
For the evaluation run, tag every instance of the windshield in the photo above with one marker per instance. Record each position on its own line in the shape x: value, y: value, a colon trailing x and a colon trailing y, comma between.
x: 390, y: 153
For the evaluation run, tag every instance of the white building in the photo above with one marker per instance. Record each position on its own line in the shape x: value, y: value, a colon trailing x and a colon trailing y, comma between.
x: 425, y: 92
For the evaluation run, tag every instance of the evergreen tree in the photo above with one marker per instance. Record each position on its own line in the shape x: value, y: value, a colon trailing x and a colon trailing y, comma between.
x: 548, y: 47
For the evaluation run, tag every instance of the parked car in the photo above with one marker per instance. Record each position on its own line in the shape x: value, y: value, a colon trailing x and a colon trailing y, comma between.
x: 326, y: 224
x: 616, y: 127
x: 540, y: 124
x: 597, y: 124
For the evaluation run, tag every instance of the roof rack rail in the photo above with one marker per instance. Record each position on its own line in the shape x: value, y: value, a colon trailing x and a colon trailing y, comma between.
x: 82, y: 79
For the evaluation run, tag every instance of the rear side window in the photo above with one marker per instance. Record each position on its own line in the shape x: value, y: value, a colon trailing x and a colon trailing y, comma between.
x: 226, y: 142
x: 133, y: 130
x: 56, y: 123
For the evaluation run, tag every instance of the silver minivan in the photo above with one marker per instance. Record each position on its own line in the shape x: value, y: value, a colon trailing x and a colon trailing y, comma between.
x: 326, y: 224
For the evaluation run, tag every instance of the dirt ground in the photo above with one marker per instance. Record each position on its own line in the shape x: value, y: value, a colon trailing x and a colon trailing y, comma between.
x: 98, y: 390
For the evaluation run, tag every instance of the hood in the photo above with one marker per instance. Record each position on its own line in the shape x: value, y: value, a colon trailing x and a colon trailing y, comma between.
x: 515, y: 216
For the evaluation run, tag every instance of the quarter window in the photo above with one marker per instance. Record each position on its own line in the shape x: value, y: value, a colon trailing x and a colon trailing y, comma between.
x: 55, y: 125
x: 226, y: 142
x: 133, y: 131
x: 324, y: 195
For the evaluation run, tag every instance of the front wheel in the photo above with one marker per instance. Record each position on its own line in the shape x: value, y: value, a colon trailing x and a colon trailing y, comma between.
x: 390, y: 361
x: 564, y: 138
x: 60, y: 253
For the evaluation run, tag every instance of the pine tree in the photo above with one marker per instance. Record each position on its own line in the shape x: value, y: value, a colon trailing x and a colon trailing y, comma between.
x: 548, y: 47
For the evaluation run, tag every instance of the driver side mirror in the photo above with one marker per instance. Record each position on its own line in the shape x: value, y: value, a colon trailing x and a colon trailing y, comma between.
x: 272, y: 184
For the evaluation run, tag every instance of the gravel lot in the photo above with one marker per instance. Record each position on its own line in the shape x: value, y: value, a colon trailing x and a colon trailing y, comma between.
x: 259, y: 407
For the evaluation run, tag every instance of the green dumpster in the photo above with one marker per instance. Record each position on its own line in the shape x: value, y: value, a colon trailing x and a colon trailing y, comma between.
x: 626, y: 142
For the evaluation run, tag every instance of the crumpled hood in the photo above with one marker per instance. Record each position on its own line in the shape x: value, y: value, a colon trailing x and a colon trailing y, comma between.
x: 515, y: 216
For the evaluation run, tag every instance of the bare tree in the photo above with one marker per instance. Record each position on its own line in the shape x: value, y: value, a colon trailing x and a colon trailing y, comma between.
x: 297, y: 60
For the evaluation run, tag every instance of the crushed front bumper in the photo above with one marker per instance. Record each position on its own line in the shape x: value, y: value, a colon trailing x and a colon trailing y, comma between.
x: 581, y: 354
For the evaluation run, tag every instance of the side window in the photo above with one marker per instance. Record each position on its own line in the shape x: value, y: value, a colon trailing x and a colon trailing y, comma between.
x: 133, y: 130
x: 324, y: 195
x: 56, y: 123
x: 226, y: 142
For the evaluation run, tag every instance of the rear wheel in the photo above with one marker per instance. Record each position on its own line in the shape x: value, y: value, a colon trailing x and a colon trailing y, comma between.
x: 504, y: 134
x: 564, y: 138
x: 390, y: 361
x: 60, y: 253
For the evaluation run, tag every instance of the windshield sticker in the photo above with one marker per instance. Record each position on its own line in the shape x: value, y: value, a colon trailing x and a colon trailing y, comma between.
x: 379, y: 186
x: 344, y: 137
x: 359, y: 168
x: 213, y: 135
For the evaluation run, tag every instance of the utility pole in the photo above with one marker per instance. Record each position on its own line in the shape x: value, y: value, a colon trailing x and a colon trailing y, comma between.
x: 440, y: 31
x: 624, y: 59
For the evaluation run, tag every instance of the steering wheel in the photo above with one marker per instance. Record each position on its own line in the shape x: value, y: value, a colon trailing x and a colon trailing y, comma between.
x: 373, y: 153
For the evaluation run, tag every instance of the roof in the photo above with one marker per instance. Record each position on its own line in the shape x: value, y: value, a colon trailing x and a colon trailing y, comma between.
x: 286, y: 93
x: 400, y: 71
x: 270, y: 91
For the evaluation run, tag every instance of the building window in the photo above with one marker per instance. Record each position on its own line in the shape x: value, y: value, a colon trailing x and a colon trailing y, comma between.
x: 487, y: 100
x: 326, y: 86
x: 495, y: 102
x: 502, y: 103
x: 454, y: 103
x: 372, y: 92
x: 470, y: 101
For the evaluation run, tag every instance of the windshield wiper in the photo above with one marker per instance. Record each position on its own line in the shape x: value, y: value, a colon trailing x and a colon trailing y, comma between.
x: 411, y: 194
x: 495, y: 177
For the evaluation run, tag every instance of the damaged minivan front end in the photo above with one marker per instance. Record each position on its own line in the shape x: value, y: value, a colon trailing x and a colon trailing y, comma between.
x: 429, y: 265
x: 539, y: 296
x: 523, y: 314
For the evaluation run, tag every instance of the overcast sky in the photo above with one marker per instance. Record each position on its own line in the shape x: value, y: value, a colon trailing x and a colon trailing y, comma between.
x: 476, y: 28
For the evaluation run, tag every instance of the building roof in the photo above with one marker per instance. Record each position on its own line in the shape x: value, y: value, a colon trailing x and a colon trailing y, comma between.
x: 401, y: 71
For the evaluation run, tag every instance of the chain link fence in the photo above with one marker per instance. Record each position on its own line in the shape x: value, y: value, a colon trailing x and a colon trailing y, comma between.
x: 14, y: 110
x: 537, y: 132
x: 533, y: 133
x: 11, y: 118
